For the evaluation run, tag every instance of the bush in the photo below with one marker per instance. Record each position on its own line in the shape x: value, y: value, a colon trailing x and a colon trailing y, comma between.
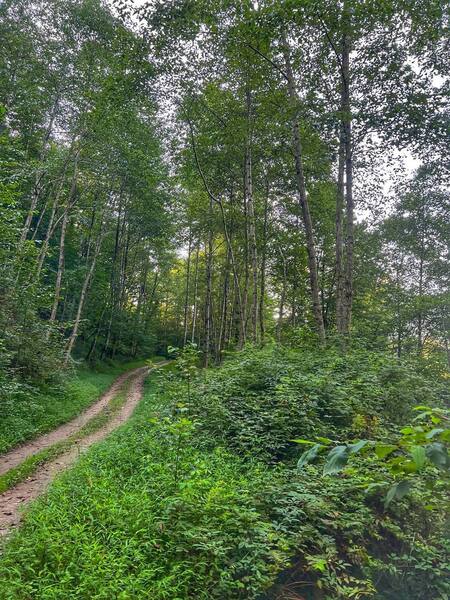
x: 259, y: 400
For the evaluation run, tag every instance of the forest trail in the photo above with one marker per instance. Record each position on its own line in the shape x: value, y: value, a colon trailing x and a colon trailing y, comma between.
x: 17, y: 455
x: 14, y: 499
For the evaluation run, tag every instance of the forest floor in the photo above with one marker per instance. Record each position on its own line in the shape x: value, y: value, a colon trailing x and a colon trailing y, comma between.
x: 68, y: 441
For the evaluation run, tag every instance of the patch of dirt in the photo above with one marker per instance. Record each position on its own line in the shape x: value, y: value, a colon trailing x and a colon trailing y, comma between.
x: 12, y: 501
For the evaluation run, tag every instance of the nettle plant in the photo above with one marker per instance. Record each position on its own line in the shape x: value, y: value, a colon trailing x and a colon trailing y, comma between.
x: 420, y: 449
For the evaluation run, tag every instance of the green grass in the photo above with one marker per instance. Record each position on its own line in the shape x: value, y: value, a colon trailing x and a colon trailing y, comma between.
x: 169, y: 507
x: 27, y: 415
x: 145, y: 514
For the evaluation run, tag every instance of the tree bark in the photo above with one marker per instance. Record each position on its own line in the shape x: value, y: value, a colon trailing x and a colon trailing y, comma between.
x: 84, y: 290
x: 208, y: 295
x: 186, y: 296
x: 39, y: 175
x: 65, y: 221
x: 282, y: 297
x: 248, y: 190
x: 194, y: 310
x: 339, y: 236
x: 349, y: 203
x: 262, y: 292
x: 303, y: 199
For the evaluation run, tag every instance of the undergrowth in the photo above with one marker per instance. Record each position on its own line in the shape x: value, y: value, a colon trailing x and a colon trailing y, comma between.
x: 186, y: 502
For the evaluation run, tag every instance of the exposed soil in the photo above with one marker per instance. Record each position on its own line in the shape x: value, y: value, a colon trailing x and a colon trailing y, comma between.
x: 14, y: 499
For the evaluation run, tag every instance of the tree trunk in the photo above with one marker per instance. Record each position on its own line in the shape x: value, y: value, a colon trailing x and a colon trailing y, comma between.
x: 141, y: 297
x: 39, y: 176
x: 186, y: 296
x: 262, y: 291
x: 84, y: 290
x: 349, y: 204
x: 252, y: 244
x: 65, y: 222
x: 194, y: 310
x: 282, y: 297
x: 208, y: 295
x: 340, y: 318
x: 224, y: 308
x: 52, y: 223
x: 303, y: 199
x: 420, y: 315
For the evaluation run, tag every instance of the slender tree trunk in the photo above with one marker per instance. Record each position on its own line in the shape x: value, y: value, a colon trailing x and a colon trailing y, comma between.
x: 113, y: 290
x: 194, y: 310
x: 303, y: 199
x: 208, y: 295
x: 248, y: 189
x: 283, y: 297
x: 52, y: 223
x: 241, y: 302
x: 150, y: 302
x: 244, y: 311
x: 349, y: 204
x: 141, y: 297
x: 84, y: 290
x: 39, y: 221
x: 62, y: 240
x: 262, y: 292
x: 420, y: 315
x: 37, y: 188
x: 340, y: 317
x: 186, y: 296
x: 224, y: 308
x: 97, y: 332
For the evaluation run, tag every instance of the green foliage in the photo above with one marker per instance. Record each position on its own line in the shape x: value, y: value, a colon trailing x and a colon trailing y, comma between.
x: 419, y: 446
x: 167, y: 504
x: 257, y: 402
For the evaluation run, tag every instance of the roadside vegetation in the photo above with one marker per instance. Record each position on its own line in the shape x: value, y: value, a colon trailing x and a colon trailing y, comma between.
x: 199, y: 495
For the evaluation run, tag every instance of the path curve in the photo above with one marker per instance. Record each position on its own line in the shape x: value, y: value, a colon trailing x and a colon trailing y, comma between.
x: 17, y: 455
x: 14, y: 499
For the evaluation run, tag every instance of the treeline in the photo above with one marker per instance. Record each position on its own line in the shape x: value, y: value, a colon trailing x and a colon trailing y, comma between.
x: 289, y: 116
x: 85, y: 193
x: 196, y: 175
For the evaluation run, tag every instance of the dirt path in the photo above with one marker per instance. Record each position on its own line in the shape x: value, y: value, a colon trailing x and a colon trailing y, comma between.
x: 12, y: 500
x: 14, y: 457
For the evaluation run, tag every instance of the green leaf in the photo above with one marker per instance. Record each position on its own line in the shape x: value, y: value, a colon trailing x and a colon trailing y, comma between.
x: 309, y: 455
x: 407, y: 430
x: 433, y: 432
x: 308, y: 442
x: 354, y: 448
x: 336, y: 461
x: 418, y: 455
x: 383, y: 450
x: 438, y: 455
x: 397, y: 491
x: 445, y: 435
x: 324, y: 440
